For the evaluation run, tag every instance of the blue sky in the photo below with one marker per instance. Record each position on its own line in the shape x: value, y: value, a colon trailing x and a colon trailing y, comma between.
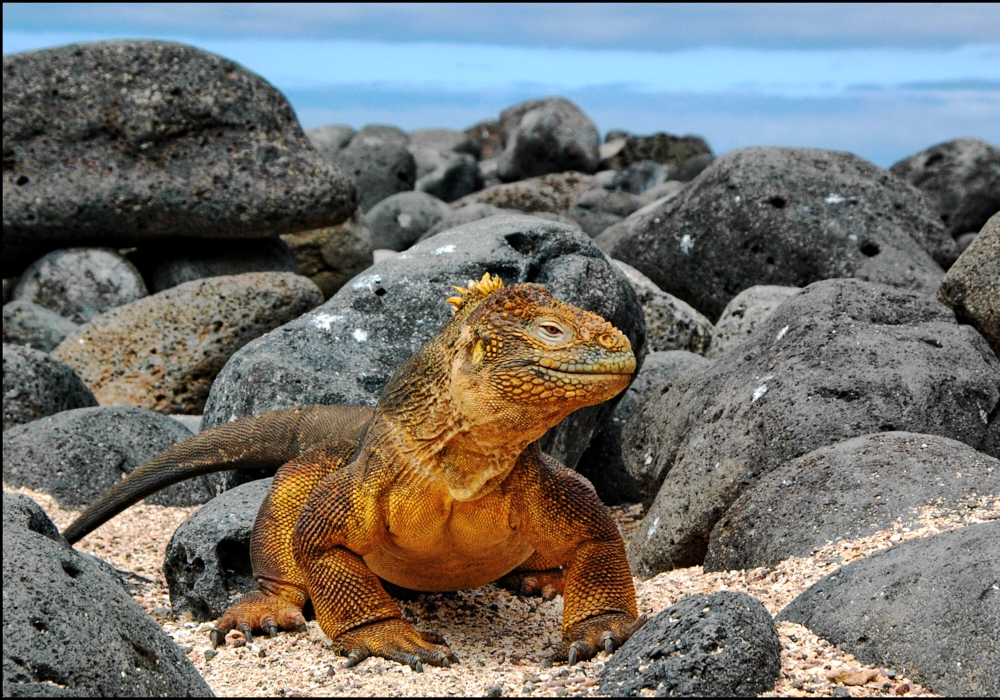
x: 883, y: 81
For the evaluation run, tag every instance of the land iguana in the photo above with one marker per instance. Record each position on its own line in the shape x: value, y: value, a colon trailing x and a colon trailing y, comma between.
x: 442, y: 487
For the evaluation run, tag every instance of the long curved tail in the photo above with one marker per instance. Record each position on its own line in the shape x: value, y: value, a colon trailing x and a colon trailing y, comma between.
x: 263, y: 441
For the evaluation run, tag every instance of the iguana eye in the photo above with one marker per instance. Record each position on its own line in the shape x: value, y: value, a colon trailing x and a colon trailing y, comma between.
x: 552, y: 332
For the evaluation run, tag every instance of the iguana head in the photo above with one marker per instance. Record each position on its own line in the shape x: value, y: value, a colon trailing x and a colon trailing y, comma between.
x: 524, y: 360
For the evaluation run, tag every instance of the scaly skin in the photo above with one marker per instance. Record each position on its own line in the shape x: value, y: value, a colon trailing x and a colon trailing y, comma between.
x: 443, y: 488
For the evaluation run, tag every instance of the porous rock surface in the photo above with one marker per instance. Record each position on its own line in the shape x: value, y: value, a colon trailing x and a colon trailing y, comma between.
x: 840, y: 359
x: 208, y: 559
x: 36, y: 384
x: 709, y: 645
x: 745, y: 312
x: 553, y: 193
x: 658, y: 148
x: 378, y: 160
x: 789, y: 217
x: 397, y: 222
x: 78, y: 455
x: 118, y: 142
x: 163, y: 352
x: 972, y: 285
x: 961, y: 178
x: 602, y: 463
x: 928, y: 608
x: 25, y: 323
x: 671, y: 324
x: 80, y: 283
x: 547, y: 136
x: 847, y: 491
x: 70, y: 628
x: 345, y: 351
x: 167, y: 265
x: 333, y: 255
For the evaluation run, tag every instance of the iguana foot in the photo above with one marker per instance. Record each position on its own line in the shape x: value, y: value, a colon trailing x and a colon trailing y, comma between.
x: 547, y: 584
x: 258, y: 611
x: 608, y: 632
x: 395, y: 640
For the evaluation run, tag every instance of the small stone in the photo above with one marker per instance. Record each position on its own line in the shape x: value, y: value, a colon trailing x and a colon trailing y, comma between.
x: 902, y: 689
x: 494, y: 692
x: 841, y: 692
x: 262, y: 654
x: 210, y: 654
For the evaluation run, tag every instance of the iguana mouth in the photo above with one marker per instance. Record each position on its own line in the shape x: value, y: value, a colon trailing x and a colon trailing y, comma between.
x: 624, y: 365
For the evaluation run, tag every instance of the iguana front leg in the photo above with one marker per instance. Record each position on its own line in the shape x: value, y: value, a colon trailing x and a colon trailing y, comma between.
x: 565, y: 521
x: 341, y: 522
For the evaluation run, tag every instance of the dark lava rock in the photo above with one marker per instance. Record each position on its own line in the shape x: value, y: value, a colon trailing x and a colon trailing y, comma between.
x: 723, y: 644
x: 961, y: 178
x: 659, y: 148
x: 488, y: 136
x: 670, y: 323
x: 595, y: 210
x: 789, y: 217
x: 457, y: 176
x: 602, y: 462
x: 332, y: 256
x: 465, y: 215
x: 840, y: 359
x: 81, y: 283
x: 847, y: 491
x: 928, y: 608
x: 71, y: 629
x: 78, y: 455
x: 380, y: 164
x: 552, y: 194
x: 547, y: 136
x: 208, y: 559
x: 345, y: 351
x: 972, y: 285
x: 168, y: 264
x: 19, y: 511
x: 331, y: 139
x: 120, y: 142
x: 445, y: 140
x: 25, y: 323
x: 35, y: 384
x: 641, y: 176
x: 744, y: 313
x: 397, y: 222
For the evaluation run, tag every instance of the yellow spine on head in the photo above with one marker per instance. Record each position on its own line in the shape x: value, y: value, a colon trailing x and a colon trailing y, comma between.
x: 475, y: 292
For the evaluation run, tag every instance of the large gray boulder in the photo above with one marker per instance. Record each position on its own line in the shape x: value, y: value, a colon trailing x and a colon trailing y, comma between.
x: 847, y: 491
x: 457, y: 175
x: 208, y: 558
x: 397, y: 222
x: 789, y: 217
x: 71, y: 629
x: 972, y: 286
x: 602, y: 463
x: 961, y: 178
x: 167, y: 265
x: 379, y: 162
x: 719, y: 645
x: 744, y: 313
x: 81, y: 283
x: 78, y: 455
x: 345, y: 351
x: 35, y: 384
x: 119, y: 142
x: 163, y: 352
x: 25, y: 323
x: 928, y: 608
x: 547, y: 136
x: 840, y: 359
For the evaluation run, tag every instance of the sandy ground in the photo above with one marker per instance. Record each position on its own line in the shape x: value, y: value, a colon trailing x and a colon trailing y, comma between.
x: 503, y: 641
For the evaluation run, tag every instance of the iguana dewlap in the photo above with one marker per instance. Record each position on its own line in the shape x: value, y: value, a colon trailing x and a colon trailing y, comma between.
x: 441, y: 487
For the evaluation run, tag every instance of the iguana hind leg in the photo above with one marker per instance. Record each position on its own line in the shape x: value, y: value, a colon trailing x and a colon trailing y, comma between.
x: 283, y: 588
x: 537, y: 576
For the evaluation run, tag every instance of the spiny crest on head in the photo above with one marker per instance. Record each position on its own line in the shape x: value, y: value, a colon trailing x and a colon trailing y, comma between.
x: 475, y: 291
